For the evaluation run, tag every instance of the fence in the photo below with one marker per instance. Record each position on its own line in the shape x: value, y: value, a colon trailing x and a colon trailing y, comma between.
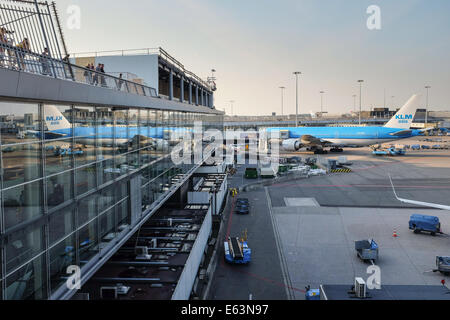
x: 14, y: 58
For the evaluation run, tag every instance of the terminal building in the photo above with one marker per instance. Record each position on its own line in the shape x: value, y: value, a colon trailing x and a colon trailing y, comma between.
x: 86, y: 157
x: 157, y: 69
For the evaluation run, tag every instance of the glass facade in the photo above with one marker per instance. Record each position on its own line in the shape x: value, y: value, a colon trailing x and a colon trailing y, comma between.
x: 66, y: 184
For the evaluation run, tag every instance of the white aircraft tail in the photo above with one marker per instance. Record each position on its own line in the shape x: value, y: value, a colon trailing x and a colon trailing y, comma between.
x: 54, y: 119
x: 403, y: 119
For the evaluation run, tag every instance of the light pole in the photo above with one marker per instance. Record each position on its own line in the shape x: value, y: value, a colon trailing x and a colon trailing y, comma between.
x: 296, y: 73
x: 360, y: 99
x: 321, y: 103
x: 426, y: 110
x: 393, y: 107
x: 282, y: 99
x: 232, y: 102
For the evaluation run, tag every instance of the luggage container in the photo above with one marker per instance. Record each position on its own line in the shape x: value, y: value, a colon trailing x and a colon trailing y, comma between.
x: 367, y: 250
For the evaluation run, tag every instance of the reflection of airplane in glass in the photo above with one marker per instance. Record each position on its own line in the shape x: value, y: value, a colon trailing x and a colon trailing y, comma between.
x: 317, y: 138
x: 59, y: 128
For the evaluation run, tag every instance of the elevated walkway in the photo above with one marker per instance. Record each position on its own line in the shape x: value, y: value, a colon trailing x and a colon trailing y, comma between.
x: 22, y: 85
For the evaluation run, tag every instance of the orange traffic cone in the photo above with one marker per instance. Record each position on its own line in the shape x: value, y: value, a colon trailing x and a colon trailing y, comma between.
x: 395, y: 233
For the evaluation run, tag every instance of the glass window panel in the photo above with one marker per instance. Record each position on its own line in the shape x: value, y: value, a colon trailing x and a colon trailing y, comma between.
x: 20, y: 123
x: 59, y: 189
x: 108, y: 225
x: 86, y: 179
x: 107, y: 171
x: 22, y: 246
x: 21, y: 163
x: 123, y: 214
x: 58, y: 148
x: 61, y: 256
x: 107, y: 199
x: 22, y: 203
x: 85, y: 132
x: 61, y: 225
x: 28, y: 283
x: 88, y: 238
x: 87, y: 210
x: 58, y: 157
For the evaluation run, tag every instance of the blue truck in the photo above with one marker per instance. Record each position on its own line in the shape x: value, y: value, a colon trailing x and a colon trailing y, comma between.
x: 312, y: 294
x: 419, y: 223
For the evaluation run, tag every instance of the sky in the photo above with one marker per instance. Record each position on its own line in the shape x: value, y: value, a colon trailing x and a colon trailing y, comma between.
x: 256, y: 45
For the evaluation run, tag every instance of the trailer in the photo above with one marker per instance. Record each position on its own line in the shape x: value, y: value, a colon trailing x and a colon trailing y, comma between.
x: 237, y: 251
x: 367, y: 250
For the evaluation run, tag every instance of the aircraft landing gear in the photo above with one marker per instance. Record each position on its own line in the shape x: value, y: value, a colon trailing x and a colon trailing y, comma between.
x: 320, y: 151
x: 337, y: 150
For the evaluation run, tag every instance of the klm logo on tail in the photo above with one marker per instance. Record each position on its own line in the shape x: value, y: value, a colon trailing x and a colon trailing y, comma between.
x: 53, y: 118
x: 404, y: 118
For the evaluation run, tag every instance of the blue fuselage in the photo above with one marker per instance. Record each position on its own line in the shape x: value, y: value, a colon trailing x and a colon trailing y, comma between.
x: 360, y: 136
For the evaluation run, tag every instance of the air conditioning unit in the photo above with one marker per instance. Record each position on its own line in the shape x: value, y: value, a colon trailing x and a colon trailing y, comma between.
x: 360, y: 288
x: 142, y: 253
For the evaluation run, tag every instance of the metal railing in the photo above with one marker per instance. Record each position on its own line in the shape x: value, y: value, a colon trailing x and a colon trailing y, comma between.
x: 146, y: 51
x: 14, y: 58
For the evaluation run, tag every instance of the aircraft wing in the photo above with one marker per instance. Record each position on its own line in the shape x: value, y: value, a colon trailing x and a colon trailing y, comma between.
x: 308, y: 140
x: 401, y: 133
x: 54, y: 135
x: 419, y: 203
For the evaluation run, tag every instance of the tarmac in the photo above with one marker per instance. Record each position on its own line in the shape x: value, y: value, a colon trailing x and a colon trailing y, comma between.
x: 302, y: 232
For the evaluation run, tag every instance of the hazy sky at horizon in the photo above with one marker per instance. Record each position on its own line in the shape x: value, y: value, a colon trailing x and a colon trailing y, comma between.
x: 255, y: 45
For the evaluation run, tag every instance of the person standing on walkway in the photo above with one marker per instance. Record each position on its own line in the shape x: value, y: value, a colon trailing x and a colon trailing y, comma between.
x: 103, y: 79
x: 23, y: 48
x: 44, y: 62
x: 96, y: 74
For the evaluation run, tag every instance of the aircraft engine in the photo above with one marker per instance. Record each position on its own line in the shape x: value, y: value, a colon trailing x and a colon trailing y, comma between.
x: 161, y: 145
x: 291, y: 145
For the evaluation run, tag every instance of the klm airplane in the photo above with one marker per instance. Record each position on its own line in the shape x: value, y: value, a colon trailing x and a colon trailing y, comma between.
x: 58, y: 127
x: 317, y: 138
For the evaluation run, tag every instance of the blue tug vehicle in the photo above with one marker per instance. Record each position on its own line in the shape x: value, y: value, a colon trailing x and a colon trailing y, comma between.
x: 237, y: 251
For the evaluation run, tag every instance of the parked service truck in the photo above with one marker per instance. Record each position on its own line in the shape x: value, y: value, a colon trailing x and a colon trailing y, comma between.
x: 267, y: 172
x: 419, y: 223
